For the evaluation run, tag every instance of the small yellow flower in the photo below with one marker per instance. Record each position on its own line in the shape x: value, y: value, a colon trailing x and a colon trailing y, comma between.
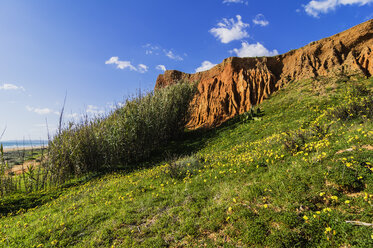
x: 334, y: 197
x: 305, y: 217
x: 234, y: 200
x: 322, y: 193
x: 328, y: 229
x: 265, y: 206
x: 326, y: 210
x: 347, y: 202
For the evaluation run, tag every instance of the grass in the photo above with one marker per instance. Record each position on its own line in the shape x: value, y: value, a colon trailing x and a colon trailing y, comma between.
x: 239, y: 185
x: 130, y: 134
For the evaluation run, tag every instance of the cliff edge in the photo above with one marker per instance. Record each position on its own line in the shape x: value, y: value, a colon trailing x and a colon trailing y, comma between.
x: 237, y: 84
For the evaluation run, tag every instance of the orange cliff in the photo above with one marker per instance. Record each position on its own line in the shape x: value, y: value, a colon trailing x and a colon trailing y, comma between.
x: 237, y: 84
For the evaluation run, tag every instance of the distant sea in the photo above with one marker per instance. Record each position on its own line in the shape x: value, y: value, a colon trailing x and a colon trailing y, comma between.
x: 23, y: 143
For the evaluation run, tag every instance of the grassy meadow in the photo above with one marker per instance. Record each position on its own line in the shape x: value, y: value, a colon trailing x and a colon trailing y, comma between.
x: 298, y: 172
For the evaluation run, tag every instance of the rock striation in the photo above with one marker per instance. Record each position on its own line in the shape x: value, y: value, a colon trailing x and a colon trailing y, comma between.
x: 237, y: 84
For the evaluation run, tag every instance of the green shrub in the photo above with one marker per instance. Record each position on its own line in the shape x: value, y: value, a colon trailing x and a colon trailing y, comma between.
x: 129, y: 135
x: 294, y: 141
x: 358, y: 102
x: 184, y: 167
x: 353, y: 177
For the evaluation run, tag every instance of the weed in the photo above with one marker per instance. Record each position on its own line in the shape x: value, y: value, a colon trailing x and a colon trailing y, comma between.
x: 129, y: 135
x: 184, y: 167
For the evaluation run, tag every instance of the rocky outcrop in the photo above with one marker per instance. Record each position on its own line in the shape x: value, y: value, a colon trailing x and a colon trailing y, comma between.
x: 237, y: 84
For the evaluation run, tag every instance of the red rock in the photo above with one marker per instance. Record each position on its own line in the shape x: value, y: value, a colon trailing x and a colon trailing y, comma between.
x: 237, y: 84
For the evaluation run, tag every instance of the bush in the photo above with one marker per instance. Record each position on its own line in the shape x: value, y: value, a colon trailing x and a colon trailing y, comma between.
x: 358, y: 102
x: 295, y: 141
x: 129, y: 135
x: 183, y: 167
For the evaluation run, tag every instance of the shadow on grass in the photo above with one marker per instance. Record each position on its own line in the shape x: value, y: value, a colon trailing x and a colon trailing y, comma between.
x: 20, y: 202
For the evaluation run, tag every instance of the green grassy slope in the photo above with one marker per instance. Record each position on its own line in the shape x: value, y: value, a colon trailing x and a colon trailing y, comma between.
x: 291, y: 178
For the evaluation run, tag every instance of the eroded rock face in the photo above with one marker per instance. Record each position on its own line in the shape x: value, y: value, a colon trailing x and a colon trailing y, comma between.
x: 237, y: 84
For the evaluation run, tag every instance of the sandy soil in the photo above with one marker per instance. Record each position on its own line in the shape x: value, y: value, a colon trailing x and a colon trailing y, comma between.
x: 19, y: 169
x: 22, y: 148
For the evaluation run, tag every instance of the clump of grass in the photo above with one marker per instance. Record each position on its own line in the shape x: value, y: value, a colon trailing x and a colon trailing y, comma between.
x: 184, y: 167
x: 127, y: 136
x: 358, y: 102
x: 294, y: 142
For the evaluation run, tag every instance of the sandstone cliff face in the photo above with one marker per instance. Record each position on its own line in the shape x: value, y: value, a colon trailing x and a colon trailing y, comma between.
x: 237, y: 84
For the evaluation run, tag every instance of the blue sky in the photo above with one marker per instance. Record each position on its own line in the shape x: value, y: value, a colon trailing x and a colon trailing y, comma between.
x: 99, y: 52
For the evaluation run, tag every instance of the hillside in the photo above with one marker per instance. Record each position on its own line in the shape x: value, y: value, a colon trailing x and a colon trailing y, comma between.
x: 289, y: 175
x: 237, y: 84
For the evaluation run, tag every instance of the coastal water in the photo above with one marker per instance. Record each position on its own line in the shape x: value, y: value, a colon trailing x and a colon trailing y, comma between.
x: 23, y: 143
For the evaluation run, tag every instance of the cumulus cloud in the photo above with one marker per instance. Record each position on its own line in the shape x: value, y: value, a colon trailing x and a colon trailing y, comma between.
x: 206, y: 65
x: 161, y: 67
x: 253, y: 50
x: 42, y: 111
x: 260, y: 20
x: 126, y: 64
x: 229, y: 30
x: 11, y: 87
x: 316, y: 7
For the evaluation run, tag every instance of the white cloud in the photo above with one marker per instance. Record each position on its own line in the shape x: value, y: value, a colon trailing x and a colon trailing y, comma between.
x: 235, y: 1
x: 172, y: 56
x: 11, y: 87
x: 142, y: 68
x: 260, y: 20
x: 253, y: 50
x: 157, y: 50
x: 120, y: 64
x: 161, y: 67
x: 229, y: 30
x: 151, y: 49
x: 116, y: 105
x: 42, y: 111
x: 206, y: 65
x: 126, y: 64
x: 91, y: 109
x: 316, y: 7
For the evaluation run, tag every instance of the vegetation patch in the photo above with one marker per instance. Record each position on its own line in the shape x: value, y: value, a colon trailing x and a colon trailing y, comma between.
x: 296, y: 178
